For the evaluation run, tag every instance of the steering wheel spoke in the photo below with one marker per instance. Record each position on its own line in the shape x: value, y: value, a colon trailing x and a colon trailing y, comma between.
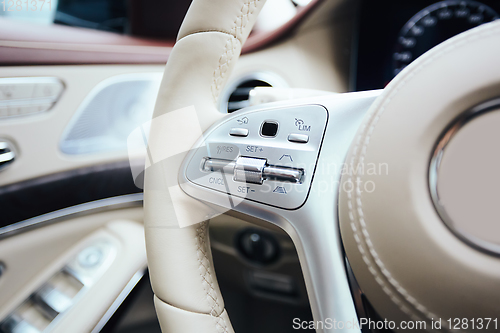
x: 241, y: 166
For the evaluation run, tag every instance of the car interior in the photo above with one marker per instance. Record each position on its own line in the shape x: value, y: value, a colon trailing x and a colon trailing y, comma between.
x: 249, y: 166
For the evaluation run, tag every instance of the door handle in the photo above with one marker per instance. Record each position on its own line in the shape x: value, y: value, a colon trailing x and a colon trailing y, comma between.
x: 7, y: 154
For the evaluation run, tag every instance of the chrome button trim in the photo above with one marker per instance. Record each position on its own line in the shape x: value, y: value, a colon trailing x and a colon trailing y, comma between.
x: 249, y: 170
x: 242, y: 132
x: 298, y: 138
x: 7, y: 154
x: 119, y: 202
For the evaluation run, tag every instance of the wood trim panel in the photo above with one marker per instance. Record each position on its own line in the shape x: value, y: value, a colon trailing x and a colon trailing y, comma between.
x: 29, y: 44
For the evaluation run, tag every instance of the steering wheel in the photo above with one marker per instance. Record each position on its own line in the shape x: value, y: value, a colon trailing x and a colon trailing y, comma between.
x: 402, y: 183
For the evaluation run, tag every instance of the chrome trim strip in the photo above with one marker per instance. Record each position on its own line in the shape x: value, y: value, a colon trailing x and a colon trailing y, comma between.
x: 127, y: 49
x: 435, y: 163
x: 120, y: 299
x: 7, y: 153
x: 123, y: 201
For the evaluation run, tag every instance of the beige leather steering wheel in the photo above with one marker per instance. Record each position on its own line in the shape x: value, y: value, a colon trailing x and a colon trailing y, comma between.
x: 187, y: 296
x: 412, y: 258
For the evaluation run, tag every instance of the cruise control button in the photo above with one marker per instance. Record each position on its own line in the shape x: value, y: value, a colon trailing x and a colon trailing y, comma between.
x: 249, y: 170
x: 238, y: 132
x: 298, y: 138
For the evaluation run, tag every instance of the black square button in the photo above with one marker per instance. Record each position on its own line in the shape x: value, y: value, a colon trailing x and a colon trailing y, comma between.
x: 269, y: 129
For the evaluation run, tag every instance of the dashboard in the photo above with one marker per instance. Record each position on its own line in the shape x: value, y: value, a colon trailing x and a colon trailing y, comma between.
x: 393, y: 33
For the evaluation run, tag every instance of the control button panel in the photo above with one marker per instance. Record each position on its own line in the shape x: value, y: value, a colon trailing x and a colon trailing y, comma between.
x: 253, y: 170
x: 60, y: 292
x: 273, y: 164
x: 27, y: 95
x: 52, y: 301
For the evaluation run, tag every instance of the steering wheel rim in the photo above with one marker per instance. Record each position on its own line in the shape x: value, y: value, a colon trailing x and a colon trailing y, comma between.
x: 406, y: 209
x: 187, y: 297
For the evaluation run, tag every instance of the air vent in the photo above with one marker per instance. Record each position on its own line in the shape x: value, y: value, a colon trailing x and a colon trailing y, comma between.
x: 236, y: 94
x: 239, y: 98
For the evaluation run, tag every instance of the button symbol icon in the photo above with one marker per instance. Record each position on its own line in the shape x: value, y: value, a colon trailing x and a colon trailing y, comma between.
x: 242, y: 121
x: 301, y: 126
x: 280, y: 190
x: 286, y: 156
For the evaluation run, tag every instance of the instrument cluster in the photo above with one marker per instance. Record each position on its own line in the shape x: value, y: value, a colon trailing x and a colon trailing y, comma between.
x: 394, y: 33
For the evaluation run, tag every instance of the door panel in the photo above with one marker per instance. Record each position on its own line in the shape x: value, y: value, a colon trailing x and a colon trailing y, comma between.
x: 37, y: 137
x: 33, y: 257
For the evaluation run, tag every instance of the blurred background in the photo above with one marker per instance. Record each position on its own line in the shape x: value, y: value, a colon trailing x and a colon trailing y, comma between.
x: 142, y: 18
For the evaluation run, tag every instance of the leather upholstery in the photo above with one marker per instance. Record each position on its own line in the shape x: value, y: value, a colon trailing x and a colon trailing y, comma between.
x: 187, y: 295
x: 407, y: 262
x: 233, y: 17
